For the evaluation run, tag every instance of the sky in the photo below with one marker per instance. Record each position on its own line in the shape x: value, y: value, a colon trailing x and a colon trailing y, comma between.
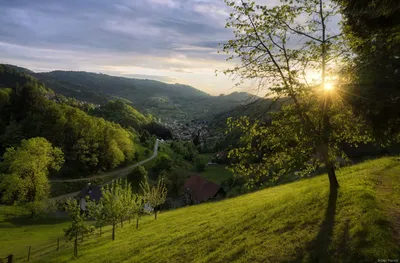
x: 174, y: 41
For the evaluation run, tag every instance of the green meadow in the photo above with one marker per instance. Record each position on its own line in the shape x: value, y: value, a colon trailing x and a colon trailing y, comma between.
x: 296, y: 222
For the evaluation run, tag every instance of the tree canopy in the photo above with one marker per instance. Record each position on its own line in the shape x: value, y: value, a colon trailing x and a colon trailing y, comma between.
x: 372, y: 29
x: 25, y: 171
x: 279, y: 53
x: 90, y: 144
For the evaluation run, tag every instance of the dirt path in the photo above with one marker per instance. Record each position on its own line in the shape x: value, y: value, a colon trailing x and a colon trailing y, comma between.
x: 117, y: 173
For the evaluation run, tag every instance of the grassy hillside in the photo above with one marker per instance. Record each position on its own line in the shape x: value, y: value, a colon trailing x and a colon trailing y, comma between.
x: 296, y: 222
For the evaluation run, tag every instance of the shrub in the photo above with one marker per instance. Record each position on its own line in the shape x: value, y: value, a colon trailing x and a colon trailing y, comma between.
x: 200, y: 164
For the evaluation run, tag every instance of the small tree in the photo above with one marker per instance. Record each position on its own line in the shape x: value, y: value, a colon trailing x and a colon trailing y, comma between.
x: 137, y: 175
x: 96, y: 211
x: 129, y: 201
x: 136, y: 208
x: 112, y: 204
x: 78, y: 225
x: 154, y: 196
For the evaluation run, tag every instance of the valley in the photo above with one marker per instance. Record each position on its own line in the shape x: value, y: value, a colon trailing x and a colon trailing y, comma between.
x: 247, y: 131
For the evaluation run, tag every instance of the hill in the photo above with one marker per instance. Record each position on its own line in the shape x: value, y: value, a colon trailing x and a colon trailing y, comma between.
x: 149, y: 96
x: 296, y: 222
x: 160, y: 99
x: 90, y: 144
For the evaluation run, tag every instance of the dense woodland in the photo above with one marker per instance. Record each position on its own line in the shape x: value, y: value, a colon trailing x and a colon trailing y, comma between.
x: 148, y: 96
x: 100, y: 139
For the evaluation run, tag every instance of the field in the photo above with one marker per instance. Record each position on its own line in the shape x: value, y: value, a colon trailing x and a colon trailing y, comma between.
x: 216, y: 173
x: 18, y: 232
x: 295, y: 222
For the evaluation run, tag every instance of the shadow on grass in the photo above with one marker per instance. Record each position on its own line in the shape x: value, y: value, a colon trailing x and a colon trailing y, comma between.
x: 318, y: 249
x: 19, y: 221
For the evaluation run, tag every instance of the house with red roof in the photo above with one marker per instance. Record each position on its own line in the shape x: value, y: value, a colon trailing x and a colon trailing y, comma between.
x: 200, y: 190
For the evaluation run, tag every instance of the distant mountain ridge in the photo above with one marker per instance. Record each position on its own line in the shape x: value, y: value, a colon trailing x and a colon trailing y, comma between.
x: 162, y: 100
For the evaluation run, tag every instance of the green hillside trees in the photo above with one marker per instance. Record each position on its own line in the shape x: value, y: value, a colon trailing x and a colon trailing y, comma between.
x: 25, y: 170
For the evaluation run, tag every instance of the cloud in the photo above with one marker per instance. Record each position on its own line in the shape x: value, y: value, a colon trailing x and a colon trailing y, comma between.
x: 167, y: 40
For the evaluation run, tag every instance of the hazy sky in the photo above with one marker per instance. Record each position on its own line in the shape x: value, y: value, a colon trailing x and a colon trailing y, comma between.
x: 167, y: 40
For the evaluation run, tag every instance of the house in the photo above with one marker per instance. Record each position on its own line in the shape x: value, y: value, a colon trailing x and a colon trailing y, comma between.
x: 220, y: 158
x: 199, y: 190
x: 93, y: 192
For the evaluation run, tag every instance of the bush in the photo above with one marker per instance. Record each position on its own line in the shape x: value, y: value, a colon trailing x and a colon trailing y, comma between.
x: 163, y: 163
x: 146, y: 152
x: 41, y: 209
x: 200, y: 164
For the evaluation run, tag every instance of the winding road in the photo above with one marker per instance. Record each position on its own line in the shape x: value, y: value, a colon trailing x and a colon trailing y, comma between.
x: 119, y: 173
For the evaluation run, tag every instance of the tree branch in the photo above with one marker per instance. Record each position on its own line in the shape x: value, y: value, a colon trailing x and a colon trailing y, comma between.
x: 300, y: 33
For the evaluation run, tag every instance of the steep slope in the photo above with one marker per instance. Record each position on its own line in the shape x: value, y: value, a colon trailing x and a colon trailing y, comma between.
x: 296, y: 222
x: 90, y: 144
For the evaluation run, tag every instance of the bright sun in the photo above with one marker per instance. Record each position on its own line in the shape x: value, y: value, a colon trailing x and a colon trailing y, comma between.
x: 328, y: 86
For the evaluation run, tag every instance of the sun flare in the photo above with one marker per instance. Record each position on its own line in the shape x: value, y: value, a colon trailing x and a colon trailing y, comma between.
x: 328, y: 86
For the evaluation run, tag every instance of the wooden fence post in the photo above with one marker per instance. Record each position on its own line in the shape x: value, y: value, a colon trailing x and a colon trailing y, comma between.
x: 58, y: 244
x: 29, y: 253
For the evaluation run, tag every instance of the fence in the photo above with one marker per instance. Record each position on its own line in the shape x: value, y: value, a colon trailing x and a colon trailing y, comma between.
x: 55, y: 245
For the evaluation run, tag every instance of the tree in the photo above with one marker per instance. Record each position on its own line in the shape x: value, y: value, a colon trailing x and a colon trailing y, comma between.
x: 200, y: 164
x: 146, y: 152
x: 25, y: 171
x: 96, y: 211
x: 129, y: 201
x: 164, y: 162
x: 175, y: 180
x: 137, y: 175
x: 112, y: 204
x: 144, y: 136
x: 135, y: 208
x: 280, y: 54
x: 373, y: 30
x: 196, y: 139
x: 154, y: 196
x: 78, y: 225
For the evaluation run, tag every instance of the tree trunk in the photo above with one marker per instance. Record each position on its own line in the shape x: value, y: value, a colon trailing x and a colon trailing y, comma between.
x: 113, y: 231
x: 155, y: 214
x: 333, y: 182
x: 122, y: 223
x: 137, y: 222
x: 76, y: 245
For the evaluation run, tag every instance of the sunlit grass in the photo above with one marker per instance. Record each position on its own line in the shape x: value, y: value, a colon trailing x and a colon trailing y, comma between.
x: 279, y: 224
